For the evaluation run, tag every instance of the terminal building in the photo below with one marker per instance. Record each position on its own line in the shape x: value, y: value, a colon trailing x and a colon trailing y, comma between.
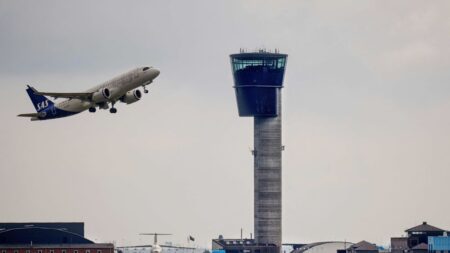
x: 362, y: 247
x: 249, y: 246
x: 241, y: 246
x: 37, y: 237
x: 420, y: 239
x: 324, y: 247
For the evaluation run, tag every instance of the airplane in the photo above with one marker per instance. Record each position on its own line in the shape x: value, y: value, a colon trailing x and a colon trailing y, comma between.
x: 155, y: 247
x: 123, y: 88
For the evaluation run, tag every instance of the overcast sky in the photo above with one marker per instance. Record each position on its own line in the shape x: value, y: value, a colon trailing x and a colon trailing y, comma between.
x: 366, y: 108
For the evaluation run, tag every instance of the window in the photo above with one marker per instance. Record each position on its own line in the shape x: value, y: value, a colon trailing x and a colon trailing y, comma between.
x: 88, y: 251
x: 3, y: 251
x: 99, y: 251
x: 52, y: 251
x: 75, y: 251
x: 27, y: 251
x: 271, y: 63
x: 63, y: 251
x: 146, y: 68
x: 16, y: 251
x: 40, y: 251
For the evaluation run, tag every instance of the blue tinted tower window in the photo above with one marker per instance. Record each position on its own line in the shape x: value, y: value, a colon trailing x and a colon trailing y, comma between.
x: 258, y: 77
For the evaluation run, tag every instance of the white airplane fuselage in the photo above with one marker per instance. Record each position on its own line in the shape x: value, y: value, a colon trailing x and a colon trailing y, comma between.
x: 156, y: 249
x: 122, y: 88
x: 118, y: 86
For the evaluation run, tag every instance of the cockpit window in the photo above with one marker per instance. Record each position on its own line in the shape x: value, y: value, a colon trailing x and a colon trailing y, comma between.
x: 144, y: 69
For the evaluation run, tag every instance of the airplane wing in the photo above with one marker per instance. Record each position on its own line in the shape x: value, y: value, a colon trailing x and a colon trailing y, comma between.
x: 79, y: 95
x: 149, y: 246
x: 175, y: 247
x: 137, y: 246
x: 28, y: 115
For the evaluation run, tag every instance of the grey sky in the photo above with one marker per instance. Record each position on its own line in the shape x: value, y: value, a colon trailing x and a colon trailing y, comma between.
x: 366, y: 123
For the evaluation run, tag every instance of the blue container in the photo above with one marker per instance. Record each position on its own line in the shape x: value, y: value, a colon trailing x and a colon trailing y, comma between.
x: 438, y: 243
x: 258, y: 77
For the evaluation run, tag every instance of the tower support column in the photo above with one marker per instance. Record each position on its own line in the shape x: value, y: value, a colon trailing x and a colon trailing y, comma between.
x: 267, y: 176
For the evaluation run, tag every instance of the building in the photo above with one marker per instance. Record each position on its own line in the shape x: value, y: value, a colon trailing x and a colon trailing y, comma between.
x: 258, y: 80
x: 399, y: 244
x: 363, y: 247
x: 289, y: 247
x: 416, y: 240
x: 241, y: 246
x: 48, y: 238
x: 419, y: 248
x: 419, y: 234
x: 439, y: 244
x: 323, y: 247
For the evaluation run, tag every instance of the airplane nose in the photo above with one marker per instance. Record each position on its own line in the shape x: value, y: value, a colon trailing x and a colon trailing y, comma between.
x: 155, y: 72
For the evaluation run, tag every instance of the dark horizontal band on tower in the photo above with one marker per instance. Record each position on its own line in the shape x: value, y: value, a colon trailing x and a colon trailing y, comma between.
x: 258, y: 86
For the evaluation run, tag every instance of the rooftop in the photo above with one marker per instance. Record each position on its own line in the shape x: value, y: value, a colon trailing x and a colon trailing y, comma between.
x: 315, y: 244
x: 422, y: 246
x: 237, y: 242
x: 74, y: 227
x: 364, y: 245
x: 424, y: 227
x: 257, y: 54
x: 40, y: 235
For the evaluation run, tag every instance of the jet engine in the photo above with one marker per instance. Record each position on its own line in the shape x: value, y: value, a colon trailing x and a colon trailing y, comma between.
x: 101, y: 95
x: 131, y: 96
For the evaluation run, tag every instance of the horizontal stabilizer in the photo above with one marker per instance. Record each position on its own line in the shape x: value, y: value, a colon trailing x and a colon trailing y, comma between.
x: 32, y: 115
x: 153, y: 234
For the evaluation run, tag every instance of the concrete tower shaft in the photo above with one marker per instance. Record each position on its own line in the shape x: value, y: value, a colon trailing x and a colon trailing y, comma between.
x: 267, y: 176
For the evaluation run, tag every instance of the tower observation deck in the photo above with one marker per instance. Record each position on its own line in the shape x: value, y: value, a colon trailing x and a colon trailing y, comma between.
x: 258, y: 80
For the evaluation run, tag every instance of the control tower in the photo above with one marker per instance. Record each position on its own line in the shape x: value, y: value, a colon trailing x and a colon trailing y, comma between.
x: 258, y: 80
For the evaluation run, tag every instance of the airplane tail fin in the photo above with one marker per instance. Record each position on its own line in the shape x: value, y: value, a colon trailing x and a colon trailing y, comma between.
x: 40, y: 102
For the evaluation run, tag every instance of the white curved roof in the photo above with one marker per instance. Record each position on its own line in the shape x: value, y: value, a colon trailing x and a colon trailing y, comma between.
x: 323, y: 247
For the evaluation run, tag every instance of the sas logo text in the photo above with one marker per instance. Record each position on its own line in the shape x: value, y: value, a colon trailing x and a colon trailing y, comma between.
x: 42, y: 105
